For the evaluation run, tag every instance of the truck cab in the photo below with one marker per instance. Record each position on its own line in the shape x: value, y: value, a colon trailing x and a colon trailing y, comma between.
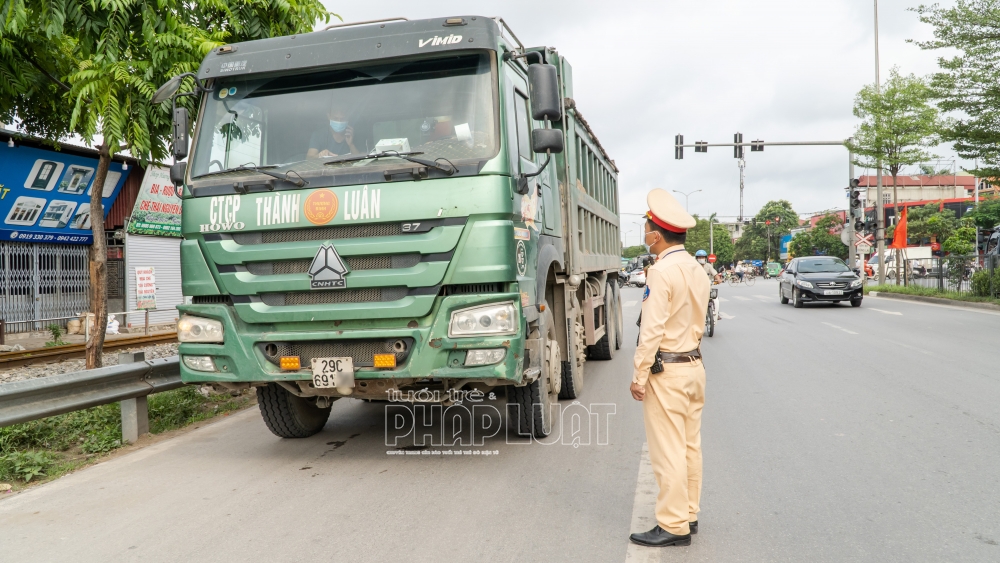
x: 399, y: 206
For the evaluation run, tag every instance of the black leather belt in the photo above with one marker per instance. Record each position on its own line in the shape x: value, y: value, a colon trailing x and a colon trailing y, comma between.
x: 680, y: 357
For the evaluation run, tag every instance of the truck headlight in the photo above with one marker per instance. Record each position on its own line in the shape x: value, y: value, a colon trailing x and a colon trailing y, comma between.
x: 485, y: 357
x: 200, y: 363
x: 495, y: 319
x: 198, y: 329
x: 804, y: 283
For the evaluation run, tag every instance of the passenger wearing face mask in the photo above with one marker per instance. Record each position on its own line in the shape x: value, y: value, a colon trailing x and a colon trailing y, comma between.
x: 335, y: 140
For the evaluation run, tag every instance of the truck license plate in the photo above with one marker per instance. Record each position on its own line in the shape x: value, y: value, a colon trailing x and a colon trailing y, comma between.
x: 833, y: 292
x: 333, y: 372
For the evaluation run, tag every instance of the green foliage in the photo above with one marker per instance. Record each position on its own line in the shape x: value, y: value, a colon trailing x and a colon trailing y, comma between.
x: 928, y: 170
x: 56, y: 332
x: 930, y: 292
x: 819, y: 240
x: 986, y: 214
x: 898, y: 124
x: 928, y: 221
x: 966, y: 85
x: 103, y: 59
x: 962, y: 241
x: 698, y: 239
x: 633, y: 251
x: 25, y: 466
x: 753, y: 244
x: 24, y: 447
x: 984, y: 286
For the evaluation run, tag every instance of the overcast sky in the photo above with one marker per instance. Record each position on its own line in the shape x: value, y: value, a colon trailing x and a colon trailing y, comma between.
x: 778, y: 70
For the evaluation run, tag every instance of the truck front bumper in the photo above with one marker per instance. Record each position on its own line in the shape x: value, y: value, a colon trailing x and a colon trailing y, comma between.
x: 433, y: 354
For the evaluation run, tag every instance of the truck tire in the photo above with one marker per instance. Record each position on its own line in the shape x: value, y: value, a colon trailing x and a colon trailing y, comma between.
x: 533, y: 415
x: 288, y: 416
x: 618, y: 320
x: 605, y: 348
x: 572, y: 379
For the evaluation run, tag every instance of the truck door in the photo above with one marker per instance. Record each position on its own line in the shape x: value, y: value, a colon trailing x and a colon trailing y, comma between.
x: 528, y: 162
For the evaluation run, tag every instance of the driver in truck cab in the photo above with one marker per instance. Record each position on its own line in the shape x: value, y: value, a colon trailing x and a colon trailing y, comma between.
x: 335, y: 140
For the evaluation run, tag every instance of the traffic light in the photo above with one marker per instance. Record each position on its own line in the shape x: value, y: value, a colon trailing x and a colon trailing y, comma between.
x: 700, y: 146
x: 757, y: 146
x: 855, y: 195
x: 738, y: 148
x: 678, y: 147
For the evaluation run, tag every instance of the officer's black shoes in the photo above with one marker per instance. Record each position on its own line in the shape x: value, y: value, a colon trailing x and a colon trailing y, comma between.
x: 693, y: 526
x: 658, y: 537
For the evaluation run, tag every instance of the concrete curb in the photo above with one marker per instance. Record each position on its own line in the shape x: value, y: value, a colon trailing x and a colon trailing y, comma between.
x: 936, y: 300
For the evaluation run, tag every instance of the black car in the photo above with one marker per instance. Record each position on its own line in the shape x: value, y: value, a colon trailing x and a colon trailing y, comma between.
x: 819, y: 278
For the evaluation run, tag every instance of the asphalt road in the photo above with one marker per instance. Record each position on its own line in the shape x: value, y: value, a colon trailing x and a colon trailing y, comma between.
x: 830, y: 434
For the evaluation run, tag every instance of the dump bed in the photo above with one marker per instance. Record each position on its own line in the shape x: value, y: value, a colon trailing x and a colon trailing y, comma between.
x: 588, y: 187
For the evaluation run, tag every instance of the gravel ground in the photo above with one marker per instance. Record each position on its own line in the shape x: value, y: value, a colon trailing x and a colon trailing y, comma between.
x: 110, y: 359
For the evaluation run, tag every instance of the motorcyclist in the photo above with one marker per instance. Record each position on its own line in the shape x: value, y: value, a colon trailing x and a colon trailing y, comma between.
x: 702, y: 257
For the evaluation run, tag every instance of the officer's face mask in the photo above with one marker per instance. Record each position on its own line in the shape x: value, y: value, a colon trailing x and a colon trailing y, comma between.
x: 646, y: 241
x: 701, y: 260
x: 338, y: 126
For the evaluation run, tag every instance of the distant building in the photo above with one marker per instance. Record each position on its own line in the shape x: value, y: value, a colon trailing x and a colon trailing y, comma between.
x: 918, y: 188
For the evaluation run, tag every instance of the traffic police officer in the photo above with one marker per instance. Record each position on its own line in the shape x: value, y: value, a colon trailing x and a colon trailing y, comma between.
x: 673, y: 319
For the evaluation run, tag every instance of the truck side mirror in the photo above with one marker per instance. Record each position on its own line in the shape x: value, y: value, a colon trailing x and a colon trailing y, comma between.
x: 543, y: 84
x: 180, y: 133
x: 177, y: 171
x: 547, y: 140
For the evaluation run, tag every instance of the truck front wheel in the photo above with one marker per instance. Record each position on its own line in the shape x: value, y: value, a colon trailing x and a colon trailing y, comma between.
x: 288, y: 416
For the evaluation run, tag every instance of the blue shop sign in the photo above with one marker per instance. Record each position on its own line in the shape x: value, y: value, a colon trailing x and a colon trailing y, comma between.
x: 45, y: 195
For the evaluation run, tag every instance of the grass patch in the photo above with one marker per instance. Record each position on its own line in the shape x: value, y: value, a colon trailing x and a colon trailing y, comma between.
x: 930, y: 292
x: 47, y: 448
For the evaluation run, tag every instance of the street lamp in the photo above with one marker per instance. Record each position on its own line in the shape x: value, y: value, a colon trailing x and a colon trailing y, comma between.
x: 686, y: 195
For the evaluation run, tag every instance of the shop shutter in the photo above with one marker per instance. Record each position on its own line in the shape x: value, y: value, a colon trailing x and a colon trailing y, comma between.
x: 164, y: 255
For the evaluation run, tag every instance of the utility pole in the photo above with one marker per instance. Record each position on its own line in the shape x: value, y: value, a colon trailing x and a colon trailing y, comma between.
x: 743, y: 165
x: 711, y: 234
x: 879, y: 205
x: 852, y: 256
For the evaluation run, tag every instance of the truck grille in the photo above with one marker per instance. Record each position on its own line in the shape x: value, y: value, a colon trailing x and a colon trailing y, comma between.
x: 319, y: 233
x: 385, y: 262
x: 360, y: 350
x: 367, y: 295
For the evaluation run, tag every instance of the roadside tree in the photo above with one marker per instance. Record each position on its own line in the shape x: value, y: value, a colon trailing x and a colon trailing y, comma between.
x: 698, y: 238
x: 104, y: 59
x: 820, y: 241
x: 966, y: 86
x: 898, y: 125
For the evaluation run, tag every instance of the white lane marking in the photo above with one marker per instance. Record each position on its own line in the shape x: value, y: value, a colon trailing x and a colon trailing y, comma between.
x: 925, y: 304
x: 884, y: 311
x: 741, y: 298
x: 840, y: 328
x: 764, y: 297
x: 630, y: 303
x: 723, y: 299
x: 725, y: 316
x: 643, y: 511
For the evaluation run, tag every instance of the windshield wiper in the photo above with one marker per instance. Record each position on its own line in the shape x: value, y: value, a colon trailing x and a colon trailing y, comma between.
x: 300, y: 182
x: 449, y: 170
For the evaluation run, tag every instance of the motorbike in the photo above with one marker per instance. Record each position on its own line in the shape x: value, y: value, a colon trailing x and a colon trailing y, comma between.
x: 712, y: 315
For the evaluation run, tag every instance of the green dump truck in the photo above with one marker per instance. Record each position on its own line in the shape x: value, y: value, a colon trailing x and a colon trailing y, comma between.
x: 388, y: 207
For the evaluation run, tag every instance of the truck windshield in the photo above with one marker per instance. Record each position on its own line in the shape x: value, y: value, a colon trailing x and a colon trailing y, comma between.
x: 442, y: 108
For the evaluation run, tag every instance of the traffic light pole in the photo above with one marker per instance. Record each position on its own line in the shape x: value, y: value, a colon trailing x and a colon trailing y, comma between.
x: 852, y: 254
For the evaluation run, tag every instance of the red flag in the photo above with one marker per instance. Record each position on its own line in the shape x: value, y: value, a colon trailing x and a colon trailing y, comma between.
x: 899, y: 235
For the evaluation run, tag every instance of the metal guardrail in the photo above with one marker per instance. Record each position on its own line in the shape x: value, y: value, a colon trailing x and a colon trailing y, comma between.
x: 130, y: 383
